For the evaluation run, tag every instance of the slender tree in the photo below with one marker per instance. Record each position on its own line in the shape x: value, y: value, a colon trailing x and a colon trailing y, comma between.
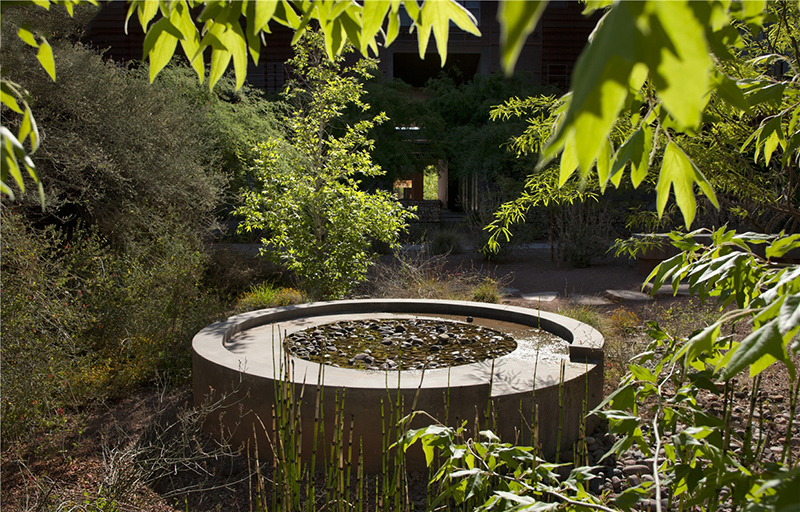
x: 319, y: 224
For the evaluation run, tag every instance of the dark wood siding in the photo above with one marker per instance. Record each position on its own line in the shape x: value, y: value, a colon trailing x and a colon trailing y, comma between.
x: 549, y: 53
x: 106, y: 31
x: 565, y: 32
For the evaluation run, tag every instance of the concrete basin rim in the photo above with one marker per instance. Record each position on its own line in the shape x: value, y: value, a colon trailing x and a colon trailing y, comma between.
x: 585, y: 346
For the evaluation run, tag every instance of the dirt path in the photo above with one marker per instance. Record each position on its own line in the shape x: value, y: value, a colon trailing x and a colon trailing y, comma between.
x: 531, y: 271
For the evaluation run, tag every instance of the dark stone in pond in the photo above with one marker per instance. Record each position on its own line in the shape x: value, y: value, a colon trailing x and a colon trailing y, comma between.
x: 362, y: 356
x: 414, y: 343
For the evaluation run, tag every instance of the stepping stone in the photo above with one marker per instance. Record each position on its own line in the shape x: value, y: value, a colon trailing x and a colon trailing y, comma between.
x: 540, y: 297
x: 589, y: 300
x: 666, y: 289
x: 625, y: 295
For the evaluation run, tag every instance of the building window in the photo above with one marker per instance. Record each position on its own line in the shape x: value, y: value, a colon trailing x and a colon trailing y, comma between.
x: 275, y: 77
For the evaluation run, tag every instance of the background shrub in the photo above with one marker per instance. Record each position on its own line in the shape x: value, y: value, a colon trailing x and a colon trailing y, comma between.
x: 104, y: 289
x: 266, y: 295
x: 444, y: 241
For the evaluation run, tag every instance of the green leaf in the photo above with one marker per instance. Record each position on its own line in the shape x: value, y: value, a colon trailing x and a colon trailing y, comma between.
x: 8, y: 98
x: 769, y: 137
x: 26, y: 34
x: 372, y: 17
x: 679, y: 173
x: 675, y: 48
x: 604, y: 160
x: 159, y: 45
x: 11, y: 147
x: 782, y: 245
x: 147, y: 9
x: 190, y: 37
x: 436, y: 16
x: 622, y: 399
x: 762, y: 346
x: 789, y: 315
x: 286, y: 15
x: 640, y: 161
x: 45, y: 57
x: 701, y: 343
x: 518, y: 18
x: 335, y: 37
x: 393, y: 28
x: 132, y: 8
x: 636, y: 150
x: 753, y: 8
x: 642, y: 373
x: 770, y: 93
x: 730, y: 92
x: 262, y: 13
x: 522, y: 500
x: 28, y: 128
x: 604, y: 67
x: 236, y: 43
x: 569, y: 159
x: 665, y: 270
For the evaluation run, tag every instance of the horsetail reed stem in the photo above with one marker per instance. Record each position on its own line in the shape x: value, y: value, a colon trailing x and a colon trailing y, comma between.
x: 582, y: 448
x: 378, y: 501
x: 360, y: 477
x: 748, y: 432
x: 489, y: 401
x: 318, y: 416
x: 384, y: 458
x: 534, y: 408
x: 560, y: 410
x: 333, y: 463
x: 786, y: 457
x: 350, y: 450
x: 259, y: 488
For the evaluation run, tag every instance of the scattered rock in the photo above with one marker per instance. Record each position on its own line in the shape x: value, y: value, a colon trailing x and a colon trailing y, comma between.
x: 635, y: 469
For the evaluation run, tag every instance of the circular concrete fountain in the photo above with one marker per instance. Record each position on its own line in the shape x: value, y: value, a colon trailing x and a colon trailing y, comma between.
x: 242, y: 359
